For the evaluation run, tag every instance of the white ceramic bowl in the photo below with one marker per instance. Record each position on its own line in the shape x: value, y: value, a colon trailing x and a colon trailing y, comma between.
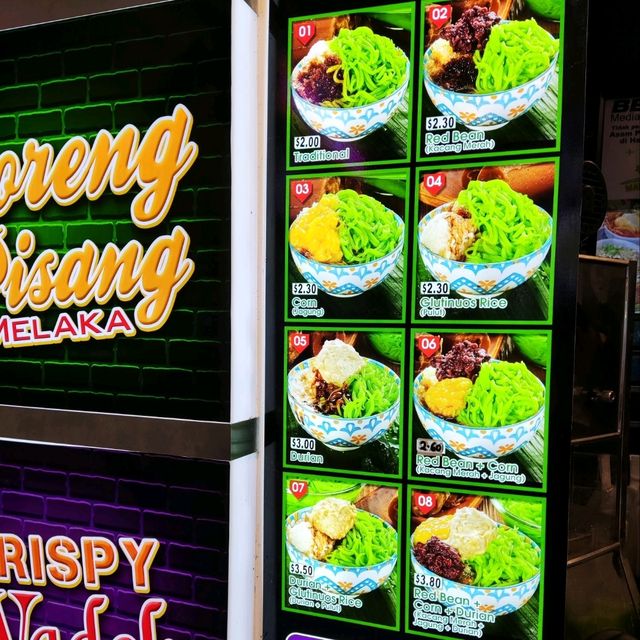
x: 479, y: 443
x: 349, y: 581
x: 497, y: 601
x: 340, y: 434
x: 347, y: 281
x: 470, y: 279
x: 349, y: 123
x: 630, y: 247
x: 488, y: 111
x: 610, y: 233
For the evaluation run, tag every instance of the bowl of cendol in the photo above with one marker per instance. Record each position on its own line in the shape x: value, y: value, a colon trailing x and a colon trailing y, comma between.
x: 343, y: 399
x: 489, y: 240
x: 348, y: 87
x: 344, y: 550
x: 493, y: 77
x: 493, y: 415
x: 486, y: 568
x: 346, y: 243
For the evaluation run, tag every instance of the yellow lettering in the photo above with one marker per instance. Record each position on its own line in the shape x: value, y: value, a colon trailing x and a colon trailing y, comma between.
x: 11, y: 180
x: 112, y: 162
x: 156, y: 163
x: 39, y: 160
x: 166, y: 269
x: 165, y: 156
x: 84, y: 275
x: 70, y: 170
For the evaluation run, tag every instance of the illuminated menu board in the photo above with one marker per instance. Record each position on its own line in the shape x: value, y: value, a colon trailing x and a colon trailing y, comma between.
x: 419, y: 214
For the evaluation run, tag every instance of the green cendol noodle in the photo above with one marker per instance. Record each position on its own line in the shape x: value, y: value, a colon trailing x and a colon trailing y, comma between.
x: 368, y: 231
x: 390, y: 345
x: 509, y: 559
x: 547, y: 8
x: 504, y: 393
x: 516, y: 52
x: 528, y: 511
x: 369, y: 542
x: 372, y: 67
x: 509, y: 223
x: 373, y: 390
x: 533, y: 346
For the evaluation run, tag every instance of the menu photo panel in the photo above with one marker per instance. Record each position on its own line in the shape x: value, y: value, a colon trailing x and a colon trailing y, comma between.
x: 341, y: 549
x: 350, y: 87
x: 346, y: 253
x: 343, y: 404
x: 476, y: 564
x: 480, y: 407
x: 484, y: 243
x: 491, y: 77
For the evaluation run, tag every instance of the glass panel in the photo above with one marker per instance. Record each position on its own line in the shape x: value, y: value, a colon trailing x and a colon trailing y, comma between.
x: 593, y: 512
x: 601, y: 325
x: 599, y: 602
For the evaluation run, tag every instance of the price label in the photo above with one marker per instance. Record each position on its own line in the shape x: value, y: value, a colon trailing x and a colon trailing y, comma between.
x: 434, y: 183
x: 303, y: 444
x: 428, y: 447
x: 420, y: 580
x: 425, y: 503
x: 299, y: 341
x: 429, y: 345
x: 304, y: 32
x: 301, y: 190
x: 439, y: 15
x: 298, y: 488
x: 438, y: 123
x: 304, y: 289
x: 300, y: 569
x: 433, y: 288
x: 302, y: 143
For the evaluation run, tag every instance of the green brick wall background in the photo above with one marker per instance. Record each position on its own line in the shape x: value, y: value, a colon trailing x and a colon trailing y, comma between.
x: 103, y: 72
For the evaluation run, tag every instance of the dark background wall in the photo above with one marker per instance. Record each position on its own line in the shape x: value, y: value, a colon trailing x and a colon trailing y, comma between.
x: 19, y: 14
x: 613, y: 62
x: 613, y: 71
x: 128, y: 67
x: 74, y: 492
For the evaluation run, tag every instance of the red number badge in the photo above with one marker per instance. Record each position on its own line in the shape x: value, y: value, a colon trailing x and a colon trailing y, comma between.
x: 298, y: 488
x: 434, y: 183
x: 301, y: 190
x: 299, y: 341
x: 429, y: 345
x: 304, y: 32
x: 425, y: 503
x: 439, y: 15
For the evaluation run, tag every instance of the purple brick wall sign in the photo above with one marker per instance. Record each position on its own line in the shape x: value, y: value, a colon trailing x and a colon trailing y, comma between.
x: 99, y: 545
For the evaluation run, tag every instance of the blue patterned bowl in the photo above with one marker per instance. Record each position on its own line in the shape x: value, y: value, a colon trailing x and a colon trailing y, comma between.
x: 477, y: 442
x: 341, y: 434
x: 347, y: 581
x: 497, y: 601
x: 492, y: 279
x: 487, y: 111
x: 349, y: 280
x: 349, y: 123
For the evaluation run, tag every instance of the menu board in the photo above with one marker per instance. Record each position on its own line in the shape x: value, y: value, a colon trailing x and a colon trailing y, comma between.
x: 417, y: 212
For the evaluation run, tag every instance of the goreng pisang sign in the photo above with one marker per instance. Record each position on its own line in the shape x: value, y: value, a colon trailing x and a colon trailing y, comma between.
x: 85, y: 278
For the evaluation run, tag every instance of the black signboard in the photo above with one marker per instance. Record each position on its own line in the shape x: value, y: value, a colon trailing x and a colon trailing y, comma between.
x: 425, y: 187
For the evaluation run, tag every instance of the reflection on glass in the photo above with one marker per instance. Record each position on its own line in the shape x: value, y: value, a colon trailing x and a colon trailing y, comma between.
x: 600, y: 330
x: 592, y: 609
x: 593, y: 514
